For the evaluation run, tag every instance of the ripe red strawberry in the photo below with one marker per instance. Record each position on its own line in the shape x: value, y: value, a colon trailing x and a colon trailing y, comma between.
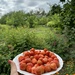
x: 56, y: 62
x: 23, y: 61
x: 39, y: 70
x: 47, y: 68
x: 28, y: 69
x: 36, y: 56
x: 30, y: 64
x: 31, y: 57
x: 50, y: 59
x: 53, y: 66
x: 46, y: 56
x: 41, y: 55
x: 43, y: 52
x: 31, y: 53
x: 23, y: 66
x: 21, y: 58
x: 32, y: 49
x: 39, y: 62
x: 27, y: 60
x: 44, y: 60
x: 34, y: 61
x: 53, y: 56
x: 36, y: 65
x: 36, y: 52
x: 33, y: 70
x: 26, y: 57
x: 26, y: 53
x: 47, y: 53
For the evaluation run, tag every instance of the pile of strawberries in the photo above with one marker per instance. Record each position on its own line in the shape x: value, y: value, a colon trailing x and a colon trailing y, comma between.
x: 38, y: 61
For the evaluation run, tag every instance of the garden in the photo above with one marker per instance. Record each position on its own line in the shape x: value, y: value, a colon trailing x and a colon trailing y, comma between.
x: 55, y: 30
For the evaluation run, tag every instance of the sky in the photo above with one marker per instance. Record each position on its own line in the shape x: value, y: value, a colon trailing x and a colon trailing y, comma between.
x: 7, y: 6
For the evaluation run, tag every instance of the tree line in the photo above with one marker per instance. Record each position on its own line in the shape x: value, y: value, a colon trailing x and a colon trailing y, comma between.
x: 56, y: 17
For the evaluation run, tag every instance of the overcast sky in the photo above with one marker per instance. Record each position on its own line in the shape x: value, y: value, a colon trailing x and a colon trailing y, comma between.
x: 25, y: 5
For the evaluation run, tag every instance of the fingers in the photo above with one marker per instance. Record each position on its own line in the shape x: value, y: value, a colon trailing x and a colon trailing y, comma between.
x: 13, y: 68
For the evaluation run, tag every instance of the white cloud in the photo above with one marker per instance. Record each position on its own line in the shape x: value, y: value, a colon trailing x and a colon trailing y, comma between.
x: 26, y: 5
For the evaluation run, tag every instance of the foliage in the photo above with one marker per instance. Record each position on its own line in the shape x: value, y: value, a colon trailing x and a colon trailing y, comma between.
x: 51, y: 24
x: 54, y: 9
x: 43, y: 20
x: 3, y: 19
x: 54, y: 21
x: 68, y: 26
x: 16, y: 19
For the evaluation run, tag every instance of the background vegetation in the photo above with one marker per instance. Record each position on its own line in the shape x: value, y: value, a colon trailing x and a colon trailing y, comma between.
x: 55, y: 30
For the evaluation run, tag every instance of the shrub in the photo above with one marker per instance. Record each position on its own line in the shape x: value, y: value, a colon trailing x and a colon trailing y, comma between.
x: 54, y: 21
x: 51, y: 24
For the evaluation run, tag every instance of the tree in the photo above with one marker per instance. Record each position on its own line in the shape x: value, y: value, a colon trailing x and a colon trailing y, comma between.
x: 16, y: 18
x: 3, y: 19
x: 55, y: 9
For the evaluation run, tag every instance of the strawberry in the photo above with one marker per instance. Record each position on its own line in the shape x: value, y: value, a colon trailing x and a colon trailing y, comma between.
x: 37, y: 52
x: 31, y: 53
x: 34, y: 61
x: 43, y: 52
x: 31, y: 57
x: 36, y: 56
x: 32, y: 49
x: 23, y: 66
x: 46, y: 56
x: 53, y: 56
x: 44, y: 60
x: 39, y: 62
x: 39, y: 70
x: 50, y: 59
x: 27, y: 60
x: 56, y: 62
x: 53, y: 66
x: 28, y: 69
x: 30, y: 64
x: 47, y: 68
x: 36, y: 65
x: 21, y: 58
x: 26, y: 53
x: 33, y: 70
x: 41, y: 55
x: 47, y: 53
x: 23, y: 61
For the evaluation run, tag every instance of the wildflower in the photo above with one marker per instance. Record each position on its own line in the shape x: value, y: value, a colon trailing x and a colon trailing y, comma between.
x: 66, y: 74
x: 73, y: 74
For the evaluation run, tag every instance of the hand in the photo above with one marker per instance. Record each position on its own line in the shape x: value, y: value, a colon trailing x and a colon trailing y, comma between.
x: 13, y: 68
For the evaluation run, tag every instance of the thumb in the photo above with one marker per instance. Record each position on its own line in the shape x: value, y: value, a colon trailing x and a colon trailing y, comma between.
x: 13, y: 67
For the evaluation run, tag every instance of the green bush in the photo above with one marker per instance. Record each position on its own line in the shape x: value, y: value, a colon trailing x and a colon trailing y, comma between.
x: 54, y: 21
x: 43, y: 20
x: 51, y: 24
